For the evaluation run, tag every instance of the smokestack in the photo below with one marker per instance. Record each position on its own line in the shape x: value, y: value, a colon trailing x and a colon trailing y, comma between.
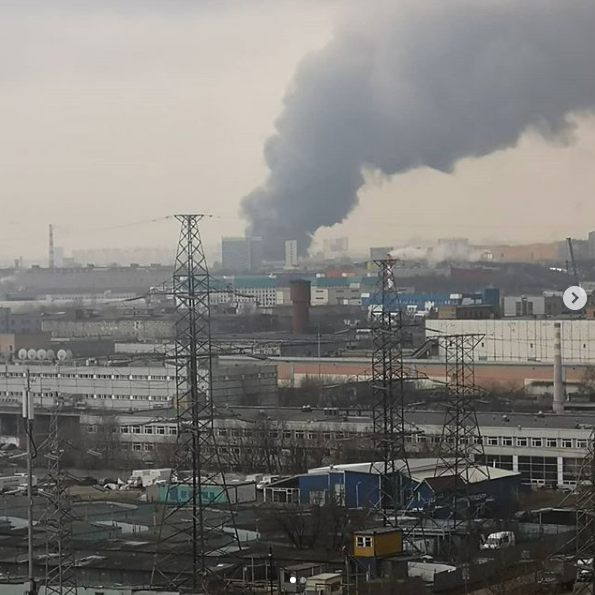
x: 300, y: 298
x: 559, y: 396
x: 51, y: 261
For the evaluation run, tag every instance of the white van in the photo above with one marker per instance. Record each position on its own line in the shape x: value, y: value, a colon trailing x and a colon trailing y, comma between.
x: 498, y: 541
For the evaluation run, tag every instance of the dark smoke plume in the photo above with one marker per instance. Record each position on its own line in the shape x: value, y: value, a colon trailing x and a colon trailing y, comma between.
x: 419, y: 84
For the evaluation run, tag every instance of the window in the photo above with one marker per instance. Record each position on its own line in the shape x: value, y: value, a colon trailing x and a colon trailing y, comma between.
x: 536, y: 442
x: 148, y: 446
x: 222, y: 432
x: 506, y: 441
x: 299, y: 434
x: 551, y: 442
x: 492, y: 440
x: 327, y: 435
x: 136, y: 429
x: 311, y: 436
x: 91, y: 429
x: 363, y: 541
x: 287, y: 434
x: 566, y: 443
x: 137, y: 446
x: 160, y: 430
x: 581, y: 444
x: 521, y: 441
x: 148, y: 429
x: 172, y: 430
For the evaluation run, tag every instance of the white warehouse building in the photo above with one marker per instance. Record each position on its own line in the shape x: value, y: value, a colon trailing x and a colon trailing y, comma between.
x: 134, y: 387
x: 522, y: 340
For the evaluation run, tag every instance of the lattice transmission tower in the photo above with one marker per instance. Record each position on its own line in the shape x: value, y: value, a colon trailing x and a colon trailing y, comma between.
x: 461, y: 456
x: 584, y: 494
x: 198, y: 526
x: 60, y: 574
x: 388, y: 390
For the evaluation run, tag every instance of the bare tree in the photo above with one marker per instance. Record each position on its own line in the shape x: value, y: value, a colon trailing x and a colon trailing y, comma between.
x: 105, y: 440
x: 327, y: 525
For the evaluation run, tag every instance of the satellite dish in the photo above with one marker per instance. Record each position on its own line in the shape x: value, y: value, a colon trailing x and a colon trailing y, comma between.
x: 41, y: 354
x: 69, y: 354
x: 31, y: 354
x: 50, y: 354
x: 61, y: 354
x: 22, y: 354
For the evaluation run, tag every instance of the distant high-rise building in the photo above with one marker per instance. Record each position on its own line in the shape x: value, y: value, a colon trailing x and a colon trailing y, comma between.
x: 335, y: 247
x: 291, y: 254
x: 241, y: 254
x: 256, y: 254
x: 58, y: 257
x: 592, y: 244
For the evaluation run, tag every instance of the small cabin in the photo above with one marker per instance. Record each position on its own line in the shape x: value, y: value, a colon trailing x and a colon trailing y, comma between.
x: 377, y: 543
x: 327, y: 583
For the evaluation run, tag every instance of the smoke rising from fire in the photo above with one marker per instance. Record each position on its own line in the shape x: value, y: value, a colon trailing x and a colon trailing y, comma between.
x: 415, y: 84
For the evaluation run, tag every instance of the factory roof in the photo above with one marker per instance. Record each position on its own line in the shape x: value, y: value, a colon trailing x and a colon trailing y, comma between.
x: 376, y: 468
x: 420, y: 470
x: 414, y: 417
x: 470, y: 475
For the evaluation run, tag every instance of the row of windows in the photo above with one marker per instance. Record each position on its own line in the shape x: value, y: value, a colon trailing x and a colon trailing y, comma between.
x: 86, y: 376
x: 137, y: 446
x: 535, y: 442
x: 285, y: 434
x: 129, y: 397
x: 19, y: 394
x: 521, y: 441
x: 160, y: 430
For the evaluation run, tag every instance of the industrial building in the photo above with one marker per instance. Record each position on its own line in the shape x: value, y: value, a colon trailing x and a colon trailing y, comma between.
x: 425, y: 482
x: 115, y: 387
x: 538, y: 306
x: 19, y: 323
x: 545, y: 449
x: 523, y: 340
x: 230, y: 492
x: 98, y: 281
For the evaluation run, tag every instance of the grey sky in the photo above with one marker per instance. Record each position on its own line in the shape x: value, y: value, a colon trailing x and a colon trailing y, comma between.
x: 112, y: 115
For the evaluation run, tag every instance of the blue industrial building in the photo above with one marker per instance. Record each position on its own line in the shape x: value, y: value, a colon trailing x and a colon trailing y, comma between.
x: 426, y: 484
x: 489, y: 296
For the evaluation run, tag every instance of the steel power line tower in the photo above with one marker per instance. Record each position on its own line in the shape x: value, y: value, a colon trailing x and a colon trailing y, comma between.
x: 197, y: 508
x: 388, y: 379
x: 461, y: 456
x: 584, y: 494
x: 58, y: 520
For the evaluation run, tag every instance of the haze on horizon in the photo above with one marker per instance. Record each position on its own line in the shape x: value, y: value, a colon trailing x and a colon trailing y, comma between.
x: 115, y: 113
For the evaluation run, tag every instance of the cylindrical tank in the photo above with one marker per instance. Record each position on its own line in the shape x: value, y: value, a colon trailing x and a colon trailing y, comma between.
x: 299, y: 292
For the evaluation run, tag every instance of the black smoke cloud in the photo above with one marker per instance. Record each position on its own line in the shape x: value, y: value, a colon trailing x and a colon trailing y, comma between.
x: 419, y: 84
